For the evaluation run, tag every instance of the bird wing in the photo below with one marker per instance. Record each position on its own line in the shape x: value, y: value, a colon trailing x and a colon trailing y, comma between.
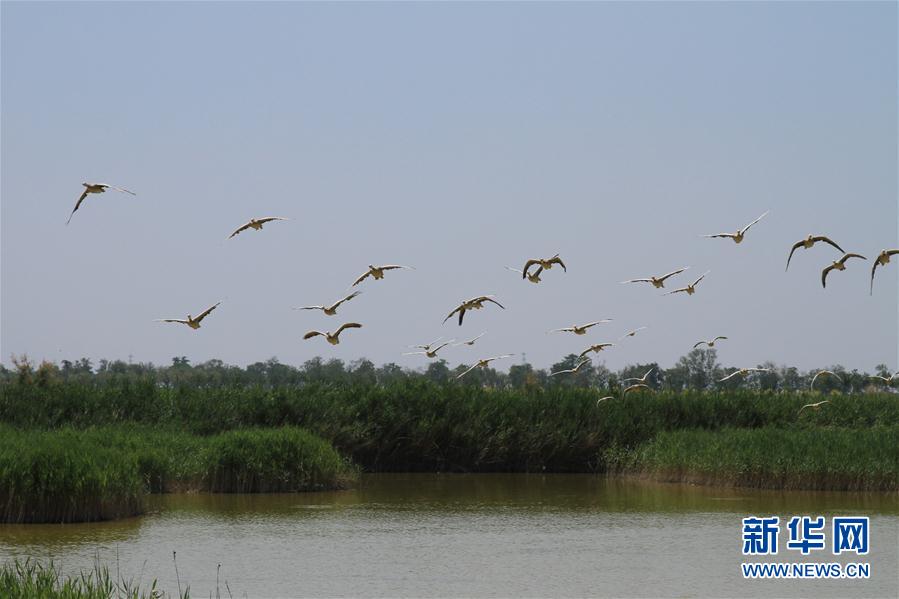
x: 873, y: 270
x: 676, y: 291
x: 564, y: 330
x: 527, y: 265
x: 268, y: 219
x: 309, y: 308
x: 450, y: 315
x: 719, y: 337
x: 828, y: 240
x: 585, y: 352
x: 515, y: 270
x: 556, y: 260
x: 634, y: 387
x: 346, y: 299
x: 394, y: 267
x: 361, y: 278
x: 312, y: 334
x: 746, y: 228
x: 415, y: 353
x: 638, y: 281
x: 466, y: 372
x: 647, y: 374
x: 242, y: 227
x: 673, y: 272
x: 562, y: 372
x: 592, y: 324
x: 347, y: 325
x: 730, y: 376
x: 122, y: 189
x: 731, y: 235
x: 78, y: 204
x: 487, y: 298
x: 698, y: 343
x: 795, y: 247
x: 847, y: 256
x: 206, y: 312
x: 439, y: 347
x: 824, y: 274
x: 181, y: 320
x: 701, y: 277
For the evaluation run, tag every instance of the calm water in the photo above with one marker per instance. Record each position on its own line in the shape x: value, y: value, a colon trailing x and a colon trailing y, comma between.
x: 467, y: 535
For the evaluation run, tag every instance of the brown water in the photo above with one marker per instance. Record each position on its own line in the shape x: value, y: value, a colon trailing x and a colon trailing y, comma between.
x: 468, y: 535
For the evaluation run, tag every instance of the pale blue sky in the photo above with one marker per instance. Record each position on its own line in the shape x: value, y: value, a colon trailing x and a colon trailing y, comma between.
x: 457, y: 138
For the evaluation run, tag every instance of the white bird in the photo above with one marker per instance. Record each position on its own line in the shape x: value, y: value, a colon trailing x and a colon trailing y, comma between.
x: 634, y: 388
x: 571, y: 370
x: 471, y: 341
x: 533, y: 277
x: 710, y: 342
x: 332, y: 309
x: 837, y: 265
x: 595, y: 348
x: 642, y: 379
x: 483, y: 363
x: 631, y: 333
x: 545, y: 263
x: 95, y: 188
x: 190, y: 321
x: 657, y: 282
x: 429, y: 352
x: 813, y: 406
x: 887, y: 380
x: 377, y: 272
x: 581, y: 329
x: 691, y: 288
x: 475, y: 303
x: 743, y: 372
x: 333, y: 338
x: 807, y: 243
x: 255, y: 223
x: 819, y: 373
x: 882, y: 260
x: 738, y: 236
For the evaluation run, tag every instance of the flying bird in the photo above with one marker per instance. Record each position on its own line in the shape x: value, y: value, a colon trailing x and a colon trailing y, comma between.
x: 738, y: 236
x: 595, y: 348
x: 631, y: 333
x: 582, y: 329
x: 95, y: 188
x: 710, y: 342
x: 691, y: 288
x: 470, y: 341
x: 533, y: 277
x: 837, y: 265
x: 545, y: 263
x: 430, y: 352
x: 475, y: 303
x: 190, y: 321
x: 657, y: 282
x: 377, y: 272
x: 887, y: 380
x: 255, y: 223
x: 642, y: 379
x: 807, y: 243
x: 483, y: 364
x: 571, y: 370
x: 743, y: 372
x: 333, y: 338
x: 882, y: 260
x: 634, y: 388
x: 813, y: 406
x: 332, y: 309
x: 825, y: 372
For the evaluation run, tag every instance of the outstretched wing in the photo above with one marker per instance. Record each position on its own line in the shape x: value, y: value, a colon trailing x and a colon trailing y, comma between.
x: 450, y: 315
x: 719, y: 337
x: 731, y: 235
x: 394, y: 267
x: 206, y: 312
x: 309, y: 308
x: 361, y: 278
x: 268, y: 219
x: 672, y: 273
x: 346, y: 299
x: 824, y: 274
x: 490, y: 299
x: 638, y: 281
x: 746, y: 228
x: 242, y: 227
x: 677, y: 291
x: 847, y: 256
x: 730, y: 376
x: 466, y: 372
x: 527, y: 265
x: 873, y: 270
x: 515, y: 270
x: 828, y: 240
x: 122, y: 189
x: 698, y: 343
x: 556, y: 260
x: 701, y: 277
x: 795, y: 247
x: 77, y: 204
x: 181, y: 320
x: 347, y: 325
x: 312, y: 334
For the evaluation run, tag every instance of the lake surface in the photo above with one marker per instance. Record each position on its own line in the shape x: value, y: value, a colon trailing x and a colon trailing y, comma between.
x: 481, y: 535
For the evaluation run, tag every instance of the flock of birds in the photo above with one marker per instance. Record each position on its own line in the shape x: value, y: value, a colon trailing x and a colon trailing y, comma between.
x: 531, y: 271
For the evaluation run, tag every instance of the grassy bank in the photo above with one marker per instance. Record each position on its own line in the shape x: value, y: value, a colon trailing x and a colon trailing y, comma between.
x: 104, y: 473
x: 831, y: 459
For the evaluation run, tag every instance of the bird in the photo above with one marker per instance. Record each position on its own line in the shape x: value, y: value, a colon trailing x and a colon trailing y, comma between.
x: 377, y: 272
x: 571, y: 370
x: 545, y: 263
x: 691, y: 288
x: 634, y: 388
x: 582, y: 329
x: 813, y: 406
x: 743, y: 372
x: 631, y: 333
x: 332, y: 309
x: 95, y: 188
x: 819, y: 373
x: 738, y: 236
x: 657, y: 282
x: 533, y: 277
x: 429, y: 351
x: 808, y: 242
x: 483, y: 363
x: 595, y: 348
x: 190, y: 321
x: 333, y: 338
x: 710, y: 342
x: 426, y: 346
x: 255, y: 223
x: 642, y: 379
x: 838, y: 265
x: 882, y: 260
x: 887, y: 380
x: 470, y: 341
x: 475, y: 303
x: 602, y: 399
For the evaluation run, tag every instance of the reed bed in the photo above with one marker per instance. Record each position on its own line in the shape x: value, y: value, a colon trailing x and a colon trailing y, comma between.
x: 104, y: 473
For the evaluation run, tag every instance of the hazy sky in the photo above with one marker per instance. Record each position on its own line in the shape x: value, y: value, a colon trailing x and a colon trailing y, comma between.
x: 459, y: 139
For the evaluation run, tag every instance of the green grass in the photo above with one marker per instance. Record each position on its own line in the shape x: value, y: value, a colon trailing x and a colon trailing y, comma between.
x: 828, y: 458
x: 103, y: 473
